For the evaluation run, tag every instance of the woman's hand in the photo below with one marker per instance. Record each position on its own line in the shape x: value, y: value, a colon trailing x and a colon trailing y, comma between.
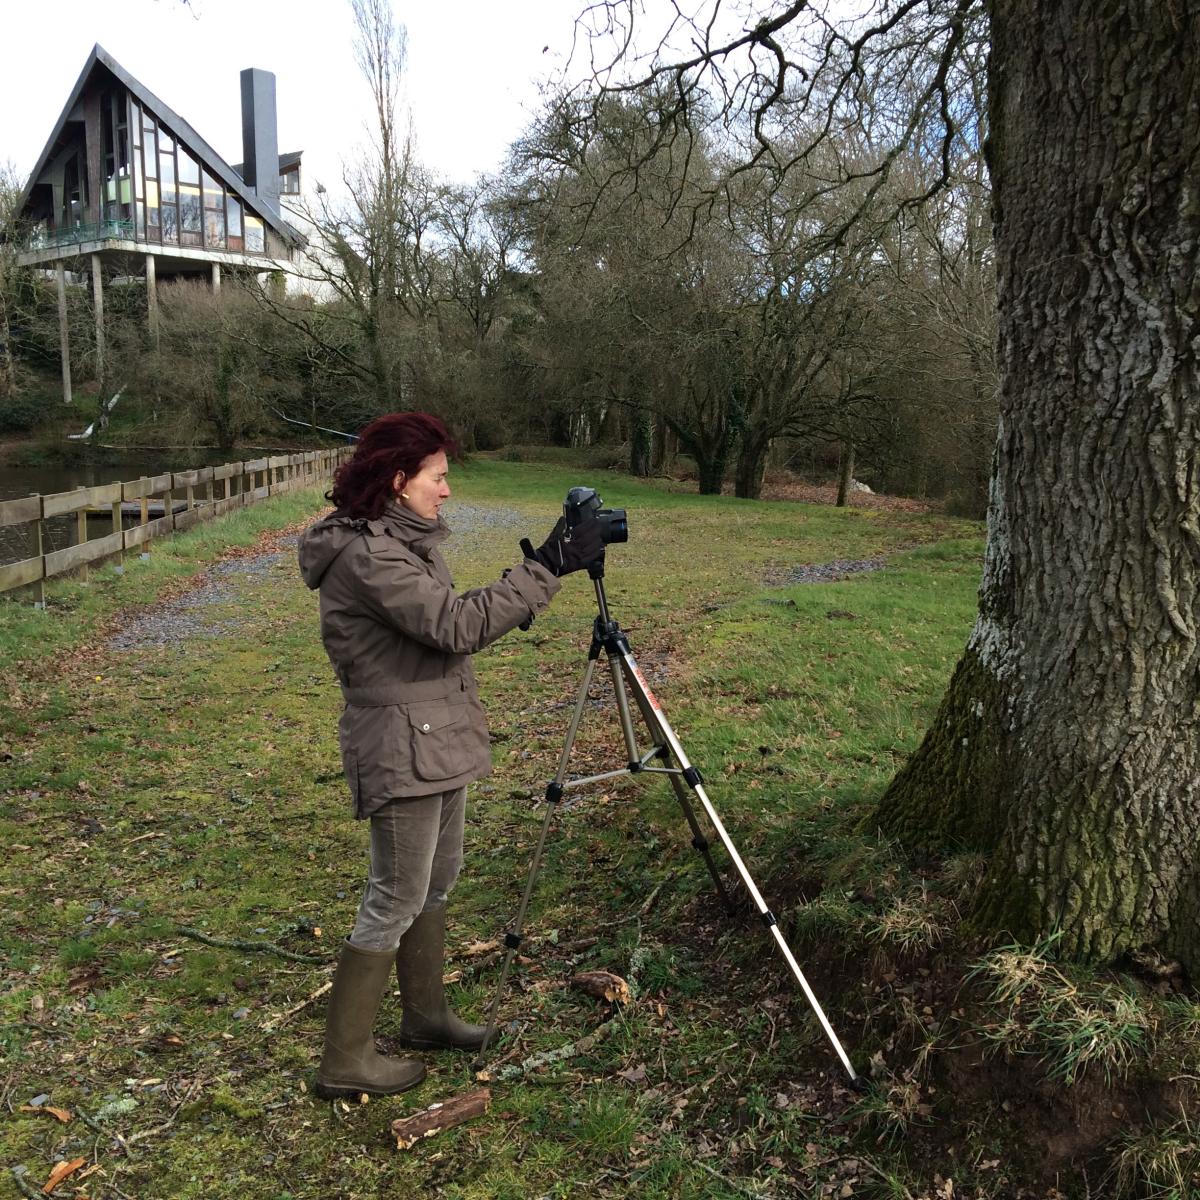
x: 561, y: 554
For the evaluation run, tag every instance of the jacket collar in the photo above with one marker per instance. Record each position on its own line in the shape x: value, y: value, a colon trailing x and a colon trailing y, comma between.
x: 415, y: 532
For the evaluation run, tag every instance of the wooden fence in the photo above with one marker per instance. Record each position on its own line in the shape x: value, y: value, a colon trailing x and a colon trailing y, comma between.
x: 183, y: 499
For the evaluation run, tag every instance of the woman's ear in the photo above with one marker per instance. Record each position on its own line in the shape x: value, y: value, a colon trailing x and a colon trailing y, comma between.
x: 398, y: 485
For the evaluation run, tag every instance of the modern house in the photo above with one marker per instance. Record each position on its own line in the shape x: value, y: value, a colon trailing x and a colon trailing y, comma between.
x: 126, y: 187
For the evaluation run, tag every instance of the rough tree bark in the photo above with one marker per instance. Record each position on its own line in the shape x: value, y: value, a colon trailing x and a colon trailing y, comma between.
x: 845, y: 473
x: 1067, y: 746
x: 750, y: 466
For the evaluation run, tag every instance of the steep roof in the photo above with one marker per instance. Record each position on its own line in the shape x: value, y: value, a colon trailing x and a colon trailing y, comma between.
x: 181, y: 129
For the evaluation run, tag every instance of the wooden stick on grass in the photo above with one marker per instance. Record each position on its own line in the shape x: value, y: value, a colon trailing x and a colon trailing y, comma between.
x: 438, y: 1117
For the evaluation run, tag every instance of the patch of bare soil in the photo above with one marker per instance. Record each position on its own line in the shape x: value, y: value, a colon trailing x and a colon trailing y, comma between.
x: 798, y: 491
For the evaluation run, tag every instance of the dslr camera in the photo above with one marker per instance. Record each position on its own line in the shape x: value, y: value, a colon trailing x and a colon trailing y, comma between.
x: 584, y: 504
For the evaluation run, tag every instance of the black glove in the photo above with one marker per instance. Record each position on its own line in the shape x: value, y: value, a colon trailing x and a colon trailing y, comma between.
x: 561, y: 555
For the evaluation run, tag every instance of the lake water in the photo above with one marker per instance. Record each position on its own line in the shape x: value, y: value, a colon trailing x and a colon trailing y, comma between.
x: 16, y: 542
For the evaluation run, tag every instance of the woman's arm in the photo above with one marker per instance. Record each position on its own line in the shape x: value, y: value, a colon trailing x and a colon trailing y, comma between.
x: 396, y: 589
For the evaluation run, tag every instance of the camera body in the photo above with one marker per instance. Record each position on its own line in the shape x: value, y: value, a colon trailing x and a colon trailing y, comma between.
x: 584, y: 504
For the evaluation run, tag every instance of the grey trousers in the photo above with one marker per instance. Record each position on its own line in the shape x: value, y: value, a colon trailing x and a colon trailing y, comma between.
x: 416, y: 854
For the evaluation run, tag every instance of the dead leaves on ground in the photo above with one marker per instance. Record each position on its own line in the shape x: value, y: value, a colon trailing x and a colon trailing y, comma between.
x: 62, y: 1171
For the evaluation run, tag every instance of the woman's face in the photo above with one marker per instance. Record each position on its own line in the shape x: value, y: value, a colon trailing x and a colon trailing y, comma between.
x: 425, y: 492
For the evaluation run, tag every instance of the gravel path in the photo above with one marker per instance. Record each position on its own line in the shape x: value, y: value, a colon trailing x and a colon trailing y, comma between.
x: 188, y: 617
x: 830, y: 572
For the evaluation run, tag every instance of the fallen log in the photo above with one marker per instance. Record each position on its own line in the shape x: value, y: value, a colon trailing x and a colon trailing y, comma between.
x: 438, y: 1117
x: 604, y: 985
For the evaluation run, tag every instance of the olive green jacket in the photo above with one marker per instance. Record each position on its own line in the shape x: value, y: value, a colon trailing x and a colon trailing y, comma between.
x: 400, y: 640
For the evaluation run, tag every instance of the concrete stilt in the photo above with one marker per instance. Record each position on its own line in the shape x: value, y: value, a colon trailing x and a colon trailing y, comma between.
x: 64, y: 339
x: 98, y: 304
x: 152, y: 299
x: 216, y: 277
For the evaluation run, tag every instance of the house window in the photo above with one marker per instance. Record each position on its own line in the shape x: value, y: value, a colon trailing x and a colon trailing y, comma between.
x: 233, y: 219
x: 153, y: 218
x: 189, y: 211
x: 255, y: 235
x: 289, y: 183
x: 189, y: 168
x: 214, y: 229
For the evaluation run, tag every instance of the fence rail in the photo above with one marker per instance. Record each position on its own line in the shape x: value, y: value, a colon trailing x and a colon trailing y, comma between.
x: 181, y: 499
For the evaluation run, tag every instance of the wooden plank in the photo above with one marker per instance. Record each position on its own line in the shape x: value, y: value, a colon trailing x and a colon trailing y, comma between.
x: 185, y: 520
x: 20, y: 574
x: 159, y: 527
x: 84, y: 497
x: 228, y: 470
x: 135, y: 489
x: 17, y: 512
x: 58, y: 561
x: 137, y: 535
x: 159, y: 484
x: 186, y: 479
x: 258, y: 494
x: 277, y: 460
x: 255, y: 464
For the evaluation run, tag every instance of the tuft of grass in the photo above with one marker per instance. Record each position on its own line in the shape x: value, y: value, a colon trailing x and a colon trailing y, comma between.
x: 912, y: 923
x: 1071, y: 1024
x: 1160, y: 1163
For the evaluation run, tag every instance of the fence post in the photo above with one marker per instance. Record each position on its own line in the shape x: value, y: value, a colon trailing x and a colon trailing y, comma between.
x: 81, y: 535
x: 39, y: 588
x: 118, y: 526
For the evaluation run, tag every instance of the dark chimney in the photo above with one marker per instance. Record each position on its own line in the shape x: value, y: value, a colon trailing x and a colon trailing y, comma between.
x: 260, y: 135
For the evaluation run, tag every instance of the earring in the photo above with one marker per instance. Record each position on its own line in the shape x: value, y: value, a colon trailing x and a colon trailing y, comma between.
x: 403, y: 495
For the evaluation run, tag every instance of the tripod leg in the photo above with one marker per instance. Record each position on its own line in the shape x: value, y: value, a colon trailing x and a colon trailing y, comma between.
x: 694, y: 781
x: 512, y: 939
x: 699, y: 841
x: 631, y: 746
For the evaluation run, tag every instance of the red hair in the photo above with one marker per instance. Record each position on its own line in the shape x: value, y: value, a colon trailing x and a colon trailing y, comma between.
x: 362, y: 486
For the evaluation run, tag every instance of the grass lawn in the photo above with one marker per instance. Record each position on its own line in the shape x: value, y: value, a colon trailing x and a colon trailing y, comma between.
x: 196, y: 786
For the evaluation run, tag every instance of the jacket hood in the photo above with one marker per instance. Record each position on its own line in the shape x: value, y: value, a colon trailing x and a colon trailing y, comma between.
x: 321, y: 543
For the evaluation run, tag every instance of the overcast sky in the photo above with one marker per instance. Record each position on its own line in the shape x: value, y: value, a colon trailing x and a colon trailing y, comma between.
x: 471, y: 83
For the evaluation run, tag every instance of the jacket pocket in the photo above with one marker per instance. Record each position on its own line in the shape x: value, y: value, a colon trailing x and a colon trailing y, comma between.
x: 436, y: 729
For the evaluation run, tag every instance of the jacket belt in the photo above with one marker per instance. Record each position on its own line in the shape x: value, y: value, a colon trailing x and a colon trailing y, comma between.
x: 404, y: 693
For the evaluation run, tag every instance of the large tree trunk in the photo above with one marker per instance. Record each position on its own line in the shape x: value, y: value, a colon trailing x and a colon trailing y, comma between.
x: 1067, y: 747
x: 845, y: 473
x: 750, y: 467
x: 641, y: 433
x: 663, y: 455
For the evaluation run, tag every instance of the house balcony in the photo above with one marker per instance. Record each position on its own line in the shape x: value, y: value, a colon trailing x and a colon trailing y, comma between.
x: 119, y: 246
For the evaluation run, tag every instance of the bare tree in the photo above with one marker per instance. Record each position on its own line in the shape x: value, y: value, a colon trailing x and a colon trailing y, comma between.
x: 208, y: 362
x: 370, y: 265
x: 10, y: 194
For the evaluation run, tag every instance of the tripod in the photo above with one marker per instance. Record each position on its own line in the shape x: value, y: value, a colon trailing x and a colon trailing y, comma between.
x: 666, y: 749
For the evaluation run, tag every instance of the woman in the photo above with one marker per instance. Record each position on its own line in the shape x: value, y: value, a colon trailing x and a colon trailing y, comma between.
x: 413, y: 733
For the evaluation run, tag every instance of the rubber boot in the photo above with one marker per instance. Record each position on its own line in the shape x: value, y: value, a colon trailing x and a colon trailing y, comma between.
x: 428, y: 1022
x: 351, y: 1064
